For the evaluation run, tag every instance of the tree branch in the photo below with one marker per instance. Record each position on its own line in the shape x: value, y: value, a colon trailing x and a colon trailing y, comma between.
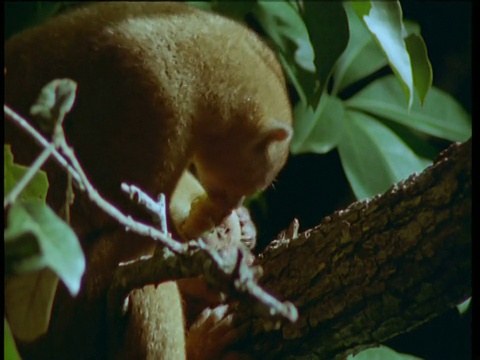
x: 379, y: 268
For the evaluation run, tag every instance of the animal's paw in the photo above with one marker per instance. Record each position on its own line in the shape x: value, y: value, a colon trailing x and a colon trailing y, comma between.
x: 212, y: 333
x: 248, y: 230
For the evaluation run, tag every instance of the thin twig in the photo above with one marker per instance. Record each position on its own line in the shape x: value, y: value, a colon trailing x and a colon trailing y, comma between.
x: 13, y: 116
x: 127, y: 221
x: 58, y: 95
x: 84, y: 184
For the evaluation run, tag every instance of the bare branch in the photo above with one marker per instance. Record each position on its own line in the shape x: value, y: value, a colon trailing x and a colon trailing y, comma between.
x: 83, y: 183
x: 40, y: 140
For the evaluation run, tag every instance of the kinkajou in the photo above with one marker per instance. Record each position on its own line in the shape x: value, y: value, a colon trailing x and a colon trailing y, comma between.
x: 161, y: 87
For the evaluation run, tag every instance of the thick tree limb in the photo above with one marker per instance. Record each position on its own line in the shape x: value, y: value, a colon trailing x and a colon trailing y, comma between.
x: 377, y: 269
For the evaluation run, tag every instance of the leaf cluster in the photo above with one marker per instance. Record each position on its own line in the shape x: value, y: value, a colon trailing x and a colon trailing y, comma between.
x: 328, y: 49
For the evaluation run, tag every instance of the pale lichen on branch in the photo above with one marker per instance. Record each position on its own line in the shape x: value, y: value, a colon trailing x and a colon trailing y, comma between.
x: 156, y: 208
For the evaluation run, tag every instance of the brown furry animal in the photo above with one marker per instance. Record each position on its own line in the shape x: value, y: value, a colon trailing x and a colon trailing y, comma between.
x: 161, y: 86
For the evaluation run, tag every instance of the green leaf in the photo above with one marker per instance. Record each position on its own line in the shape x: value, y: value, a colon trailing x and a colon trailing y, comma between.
x: 362, y: 8
x: 318, y: 131
x: 28, y: 303
x: 411, y: 27
x: 373, y: 156
x: 421, y: 67
x: 303, y: 81
x: 463, y: 307
x: 304, y: 55
x: 10, y: 351
x: 23, y: 255
x: 440, y: 115
x: 283, y: 24
x: 362, y: 56
x: 327, y: 27
x: 12, y: 173
x: 56, y: 245
x: 384, y: 21
x: 285, y: 28
x: 381, y: 353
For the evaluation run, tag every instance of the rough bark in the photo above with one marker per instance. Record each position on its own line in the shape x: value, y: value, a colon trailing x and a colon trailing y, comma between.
x: 379, y: 268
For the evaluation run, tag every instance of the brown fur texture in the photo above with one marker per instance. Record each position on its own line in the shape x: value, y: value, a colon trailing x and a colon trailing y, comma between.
x: 160, y: 86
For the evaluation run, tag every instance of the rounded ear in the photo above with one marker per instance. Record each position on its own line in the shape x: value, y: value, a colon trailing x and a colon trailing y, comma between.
x: 276, y: 130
